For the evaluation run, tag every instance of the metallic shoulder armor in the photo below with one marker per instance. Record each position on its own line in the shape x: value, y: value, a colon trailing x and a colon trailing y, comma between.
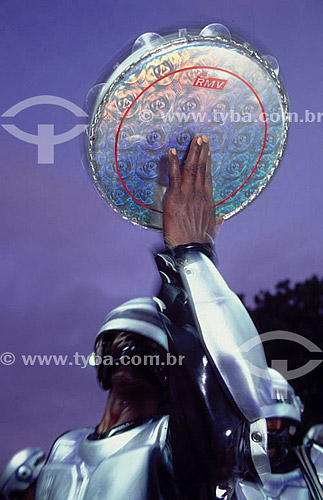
x: 110, y: 468
x: 21, y: 471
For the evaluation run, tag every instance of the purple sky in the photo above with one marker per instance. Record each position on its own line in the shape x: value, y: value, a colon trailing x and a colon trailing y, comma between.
x: 66, y: 258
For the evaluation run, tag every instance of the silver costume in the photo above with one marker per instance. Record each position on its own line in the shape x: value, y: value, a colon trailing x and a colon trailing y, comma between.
x: 21, y: 471
x: 226, y: 379
x: 292, y: 484
x: 117, y: 467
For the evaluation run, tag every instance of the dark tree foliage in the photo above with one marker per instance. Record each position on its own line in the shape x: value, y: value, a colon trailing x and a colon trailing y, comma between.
x: 299, y: 309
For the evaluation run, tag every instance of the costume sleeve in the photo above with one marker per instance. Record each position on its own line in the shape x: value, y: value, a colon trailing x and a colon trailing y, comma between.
x: 214, y: 393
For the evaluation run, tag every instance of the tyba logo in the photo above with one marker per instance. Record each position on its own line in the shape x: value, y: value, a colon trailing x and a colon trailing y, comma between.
x: 46, y: 138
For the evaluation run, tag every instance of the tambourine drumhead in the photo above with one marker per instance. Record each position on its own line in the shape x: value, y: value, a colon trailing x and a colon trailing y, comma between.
x: 161, y: 97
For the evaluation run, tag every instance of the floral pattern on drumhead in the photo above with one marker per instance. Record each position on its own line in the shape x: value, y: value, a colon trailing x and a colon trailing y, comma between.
x: 160, y: 107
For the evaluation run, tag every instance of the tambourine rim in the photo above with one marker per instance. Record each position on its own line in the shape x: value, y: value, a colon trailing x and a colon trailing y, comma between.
x: 188, y: 39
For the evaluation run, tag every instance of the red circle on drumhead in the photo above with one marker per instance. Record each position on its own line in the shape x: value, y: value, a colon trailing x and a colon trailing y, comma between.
x: 166, y: 76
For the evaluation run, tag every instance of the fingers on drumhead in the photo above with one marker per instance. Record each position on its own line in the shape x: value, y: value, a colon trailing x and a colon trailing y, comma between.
x: 197, y: 168
x: 191, y: 164
x: 208, y: 175
x: 201, y: 165
x: 174, y: 169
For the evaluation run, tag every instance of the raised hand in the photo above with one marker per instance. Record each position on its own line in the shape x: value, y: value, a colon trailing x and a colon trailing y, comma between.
x: 189, y: 214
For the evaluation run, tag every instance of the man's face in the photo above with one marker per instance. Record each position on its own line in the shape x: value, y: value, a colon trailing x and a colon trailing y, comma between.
x: 135, y: 392
x: 134, y: 376
x: 273, y: 424
x: 125, y: 374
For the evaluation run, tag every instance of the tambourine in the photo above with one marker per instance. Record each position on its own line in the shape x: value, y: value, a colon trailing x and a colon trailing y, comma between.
x: 170, y: 89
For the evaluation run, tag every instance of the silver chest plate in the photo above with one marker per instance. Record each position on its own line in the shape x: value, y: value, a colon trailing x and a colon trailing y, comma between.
x: 118, y: 467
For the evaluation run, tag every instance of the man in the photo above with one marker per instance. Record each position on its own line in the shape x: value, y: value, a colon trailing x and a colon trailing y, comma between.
x: 296, y: 471
x: 185, y: 431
